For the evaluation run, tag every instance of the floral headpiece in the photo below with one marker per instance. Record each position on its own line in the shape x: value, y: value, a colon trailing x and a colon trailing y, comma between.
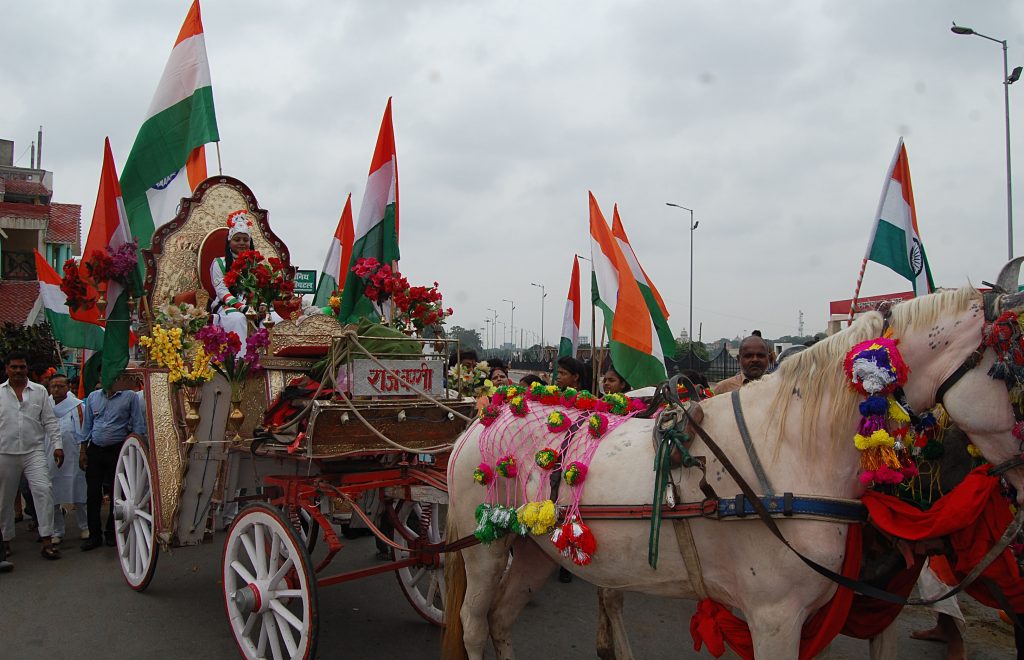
x: 239, y: 222
x: 876, y: 370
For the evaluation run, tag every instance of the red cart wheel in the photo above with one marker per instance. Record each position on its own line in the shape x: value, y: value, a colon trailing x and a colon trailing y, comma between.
x: 134, y: 526
x: 423, y: 585
x: 269, y: 587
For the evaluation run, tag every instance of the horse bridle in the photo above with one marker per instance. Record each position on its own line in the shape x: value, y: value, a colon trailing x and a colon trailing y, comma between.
x: 991, y: 307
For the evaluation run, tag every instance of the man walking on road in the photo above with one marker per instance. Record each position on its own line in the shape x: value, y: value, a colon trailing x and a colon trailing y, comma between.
x: 110, y: 418
x: 27, y: 427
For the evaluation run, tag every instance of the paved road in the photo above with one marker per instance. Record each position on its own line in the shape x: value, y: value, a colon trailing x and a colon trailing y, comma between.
x: 80, y: 608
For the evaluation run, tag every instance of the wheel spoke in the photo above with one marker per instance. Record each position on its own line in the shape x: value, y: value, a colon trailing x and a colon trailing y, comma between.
x: 250, y: 550
x: 414, y: 578
x: 270, y: 623
x: 261, y: 563
x: 145, y: 516
x: 146, y: 498
x: 289, y: 593
x: 281, y: 616
x: 250, y: 621
x: 431, y: 593
x: 261, y: 647
x: 242, y: 572
x: 289, y: 616
x: 124, y: 485
x: 147, y: 544
x: 281, y: 572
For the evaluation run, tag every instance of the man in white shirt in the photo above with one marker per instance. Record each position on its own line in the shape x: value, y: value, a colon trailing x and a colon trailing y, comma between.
x: 27, y: 424
x: 69, y: 479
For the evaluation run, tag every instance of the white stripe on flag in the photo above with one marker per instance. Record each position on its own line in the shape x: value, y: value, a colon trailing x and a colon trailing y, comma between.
x: 163, y: 201
x: 380, y: 191
x: 187, y: 70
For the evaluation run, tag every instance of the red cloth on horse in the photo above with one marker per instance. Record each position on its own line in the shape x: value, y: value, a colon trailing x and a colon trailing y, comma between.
x: 714, y: 625
x: 869, y: 616
x: 973, y: 515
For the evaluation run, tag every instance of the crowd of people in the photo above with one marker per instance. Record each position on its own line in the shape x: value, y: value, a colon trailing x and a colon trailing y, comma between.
x: 58, y: 455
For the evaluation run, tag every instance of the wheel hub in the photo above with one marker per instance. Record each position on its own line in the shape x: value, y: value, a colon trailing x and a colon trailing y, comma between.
x: 248, y: 599
x: 124, y: 511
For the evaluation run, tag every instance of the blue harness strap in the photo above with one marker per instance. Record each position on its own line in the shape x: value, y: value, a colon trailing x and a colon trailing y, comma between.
x: 787, y: 505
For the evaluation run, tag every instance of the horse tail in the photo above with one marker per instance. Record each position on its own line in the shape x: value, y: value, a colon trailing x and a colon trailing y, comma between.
x: 452, y: 646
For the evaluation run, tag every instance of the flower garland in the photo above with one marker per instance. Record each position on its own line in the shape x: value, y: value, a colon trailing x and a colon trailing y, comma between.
x: 875, y: 369
x: 483, y: 474
x: 506, y: 466
x: 166, y: 349
x: 575, y: 473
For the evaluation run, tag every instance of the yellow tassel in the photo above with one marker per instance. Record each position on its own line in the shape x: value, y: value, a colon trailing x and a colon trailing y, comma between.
x: 879, y: 438
x: 870, y: 459
x: 897, y: 413
x: 889, y: 457
x: 973, y: 451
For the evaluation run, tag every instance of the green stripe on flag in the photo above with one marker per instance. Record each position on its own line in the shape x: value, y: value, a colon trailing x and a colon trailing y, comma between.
x: 161, y: 148
x: 890, y: 249
x: 638, y: 368
x: 75, y: 334
x: 665, y: 338
x: 324, y: 290
x: 115, y: 341
x: 381, y: 243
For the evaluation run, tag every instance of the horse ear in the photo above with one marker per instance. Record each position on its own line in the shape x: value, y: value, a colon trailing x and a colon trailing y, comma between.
x: 1009, y: 276
x: 1011, y: 301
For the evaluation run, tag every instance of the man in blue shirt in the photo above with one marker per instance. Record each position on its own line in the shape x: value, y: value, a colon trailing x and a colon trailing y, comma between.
x: 110, y: 418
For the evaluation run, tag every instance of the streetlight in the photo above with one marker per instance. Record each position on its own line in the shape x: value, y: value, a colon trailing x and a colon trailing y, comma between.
x: 543, y: 295
x: 487, y: 332
x: 503, y: 326
x: 1008, y: 79
x: 494, y: 327
x: 512, y: 329
x: 693, y: 226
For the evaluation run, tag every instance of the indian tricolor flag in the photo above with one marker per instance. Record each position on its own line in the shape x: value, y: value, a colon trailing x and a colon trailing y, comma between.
x: 338, y: 257
x: 67, y: 331
x: 376, y: 232
x: 168, y: 160
x: 633, y: 338
x: 110, y: 228
x: 656, y: 306
x: 895, y: 238
x: 571, y: 321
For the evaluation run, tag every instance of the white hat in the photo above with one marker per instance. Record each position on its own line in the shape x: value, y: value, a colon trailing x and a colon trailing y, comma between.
x: 239, y: 222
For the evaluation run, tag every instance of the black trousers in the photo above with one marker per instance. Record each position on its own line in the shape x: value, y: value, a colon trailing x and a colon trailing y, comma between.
x: 99, y: 477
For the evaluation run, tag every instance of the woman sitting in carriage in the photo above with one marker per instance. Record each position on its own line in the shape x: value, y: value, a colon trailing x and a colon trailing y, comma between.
x: 230, y: 304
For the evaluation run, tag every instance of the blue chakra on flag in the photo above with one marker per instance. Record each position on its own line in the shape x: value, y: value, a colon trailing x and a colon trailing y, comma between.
x: 916, y: 257
x: 166, y: 181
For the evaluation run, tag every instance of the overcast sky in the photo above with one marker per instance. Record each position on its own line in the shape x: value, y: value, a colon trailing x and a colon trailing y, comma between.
x: 775, y: 121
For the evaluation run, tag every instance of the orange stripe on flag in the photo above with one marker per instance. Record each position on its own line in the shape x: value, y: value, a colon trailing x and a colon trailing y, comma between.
x: 385, y: 152
x: 620, y: 232
x: 901, y: 174
x: 192, y: 26
x: 195, y: 167
x: 632, y: 323
x: 346, y: 235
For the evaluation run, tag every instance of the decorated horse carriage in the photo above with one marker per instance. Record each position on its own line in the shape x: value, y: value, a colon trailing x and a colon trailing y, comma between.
x: 366, y: 445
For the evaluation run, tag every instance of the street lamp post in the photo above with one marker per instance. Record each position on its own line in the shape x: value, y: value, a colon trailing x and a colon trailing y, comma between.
x: 494, y: 327
x: 1008, y: 79
x: 512, y: 329
x: 693, y: 226
x: 543, y: 295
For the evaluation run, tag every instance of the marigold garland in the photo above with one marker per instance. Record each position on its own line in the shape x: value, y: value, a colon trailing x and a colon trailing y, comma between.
x: 557, y: 421
x: 546, y: 458
x: 597, y: 425
x: 575, y: 473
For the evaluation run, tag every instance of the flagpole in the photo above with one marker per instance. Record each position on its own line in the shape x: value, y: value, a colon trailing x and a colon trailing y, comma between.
x: 220, y: 171
x: 856, y: 293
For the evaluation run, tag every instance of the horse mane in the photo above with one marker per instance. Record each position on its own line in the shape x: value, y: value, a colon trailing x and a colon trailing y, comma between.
x: 817, y: 372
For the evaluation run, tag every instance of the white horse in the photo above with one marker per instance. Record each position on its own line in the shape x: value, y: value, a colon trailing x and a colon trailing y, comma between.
x: 803, y: 419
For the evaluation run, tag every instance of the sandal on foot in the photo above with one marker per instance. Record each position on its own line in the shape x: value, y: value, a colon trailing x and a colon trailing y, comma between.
x: 7, y: 548
x: 50, y: 552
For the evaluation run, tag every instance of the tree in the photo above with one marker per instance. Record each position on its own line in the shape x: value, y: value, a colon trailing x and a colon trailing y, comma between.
x: 468, y: 339
x: 683, y: 347
x: 35, y: 340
